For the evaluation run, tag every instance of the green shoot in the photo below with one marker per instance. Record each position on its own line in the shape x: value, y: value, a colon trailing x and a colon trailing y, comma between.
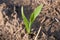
x: 33, y: 16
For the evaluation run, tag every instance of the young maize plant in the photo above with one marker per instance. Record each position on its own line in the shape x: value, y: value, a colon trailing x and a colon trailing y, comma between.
x: 28, y: 23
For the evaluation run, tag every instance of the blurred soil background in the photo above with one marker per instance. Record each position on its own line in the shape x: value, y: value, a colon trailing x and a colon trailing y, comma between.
x: 13, y: 28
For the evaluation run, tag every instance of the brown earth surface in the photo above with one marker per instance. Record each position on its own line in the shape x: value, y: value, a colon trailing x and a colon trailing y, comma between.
x: 13, y: 28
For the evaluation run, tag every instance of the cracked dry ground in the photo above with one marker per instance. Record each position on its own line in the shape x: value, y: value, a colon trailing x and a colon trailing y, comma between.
x: 12, y: 26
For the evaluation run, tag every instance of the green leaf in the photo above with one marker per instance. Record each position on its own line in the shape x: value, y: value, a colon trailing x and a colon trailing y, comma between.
x: 26, y: 22
x: 35, y: 13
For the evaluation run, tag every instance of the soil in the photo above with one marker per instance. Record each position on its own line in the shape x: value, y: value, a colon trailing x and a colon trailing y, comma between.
x: 13, y: 28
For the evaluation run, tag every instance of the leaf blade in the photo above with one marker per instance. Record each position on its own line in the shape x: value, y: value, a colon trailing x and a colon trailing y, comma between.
x: 26, y: 22
x: 35, y: 13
